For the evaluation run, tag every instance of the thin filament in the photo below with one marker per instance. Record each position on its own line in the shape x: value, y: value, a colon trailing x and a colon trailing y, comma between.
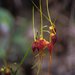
x: 39, y: 65
x: 35, y: 65
x: 33, y: 23
x: 44, y: 14
x: 39, y: 11
x: 50, y: 59
x: 48, y: 12
x: 41, y: 24
x: 46, y: 31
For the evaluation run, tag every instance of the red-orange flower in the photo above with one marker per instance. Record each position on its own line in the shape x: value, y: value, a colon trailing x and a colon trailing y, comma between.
x: 39, y: 45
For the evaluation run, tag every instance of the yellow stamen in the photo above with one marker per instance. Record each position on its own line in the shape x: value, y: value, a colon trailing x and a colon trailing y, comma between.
x: 52, y: 28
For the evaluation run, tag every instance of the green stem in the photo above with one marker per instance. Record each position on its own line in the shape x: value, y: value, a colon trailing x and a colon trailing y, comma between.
x: 43, y: 13
x: 48, y: 12
x: 33, y: 23
x: 41, y: 22
x: 39, y: 11
x: 23, y: 59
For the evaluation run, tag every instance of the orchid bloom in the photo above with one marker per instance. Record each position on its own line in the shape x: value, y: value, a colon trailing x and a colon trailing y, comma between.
x: 41, y: 43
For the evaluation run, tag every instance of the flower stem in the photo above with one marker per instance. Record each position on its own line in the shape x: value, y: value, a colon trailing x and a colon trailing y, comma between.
x: 33, y: 23
x: 23, y: 59
x: 41, y: 22
x: 48, y: 12
x: 39, y: 11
